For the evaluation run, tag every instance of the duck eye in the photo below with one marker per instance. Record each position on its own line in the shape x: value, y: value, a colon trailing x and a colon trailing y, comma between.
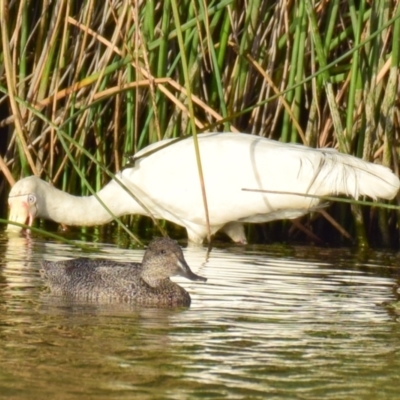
x: 163, y: 252
x: 31, y: 199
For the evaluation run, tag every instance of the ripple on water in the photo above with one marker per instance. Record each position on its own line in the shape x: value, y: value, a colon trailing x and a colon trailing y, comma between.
x: 306, y: 325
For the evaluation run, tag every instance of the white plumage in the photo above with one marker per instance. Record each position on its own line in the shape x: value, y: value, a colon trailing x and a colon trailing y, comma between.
x: 167, y: 182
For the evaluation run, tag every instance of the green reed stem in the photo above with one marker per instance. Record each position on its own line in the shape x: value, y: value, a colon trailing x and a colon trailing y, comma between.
x: 42, y: 232
x: 355, y: 75
x: 326, y: 78
x: 62, y: 137
x: 217, y: 58
x: 191, y: 112
x: 298, y: 22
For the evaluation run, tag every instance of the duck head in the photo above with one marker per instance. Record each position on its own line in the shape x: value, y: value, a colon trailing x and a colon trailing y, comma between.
x: 163, y: 259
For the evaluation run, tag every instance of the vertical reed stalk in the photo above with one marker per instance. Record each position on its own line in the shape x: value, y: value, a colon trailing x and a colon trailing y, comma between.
x: 191, y: 112
x: 116, y: 76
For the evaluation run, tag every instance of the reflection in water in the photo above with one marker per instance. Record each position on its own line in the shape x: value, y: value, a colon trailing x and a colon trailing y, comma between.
x: 17, y: 271
x: 271, y: 321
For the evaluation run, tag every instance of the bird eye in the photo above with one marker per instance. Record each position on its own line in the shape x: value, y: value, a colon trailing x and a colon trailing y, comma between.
x: 31, y: 199
x: 163, y: 252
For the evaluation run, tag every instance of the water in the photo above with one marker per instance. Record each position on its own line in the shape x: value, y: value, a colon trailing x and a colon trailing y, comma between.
x: 274, y: 322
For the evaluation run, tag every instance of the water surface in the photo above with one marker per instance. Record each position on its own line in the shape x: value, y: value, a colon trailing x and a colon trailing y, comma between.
x: 276, y: 322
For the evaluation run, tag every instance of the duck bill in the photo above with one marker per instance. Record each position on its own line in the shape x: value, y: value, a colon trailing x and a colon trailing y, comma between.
x: 18, y: 213
x: 188, y: 273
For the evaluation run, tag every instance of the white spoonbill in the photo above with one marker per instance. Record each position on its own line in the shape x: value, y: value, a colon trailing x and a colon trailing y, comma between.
x: 167, y: 183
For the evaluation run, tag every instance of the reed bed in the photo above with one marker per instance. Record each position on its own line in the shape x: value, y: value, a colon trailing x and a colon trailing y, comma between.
x: 82, y: 84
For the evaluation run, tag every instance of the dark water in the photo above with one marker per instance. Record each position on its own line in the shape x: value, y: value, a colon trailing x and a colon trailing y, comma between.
x: 271, y: 322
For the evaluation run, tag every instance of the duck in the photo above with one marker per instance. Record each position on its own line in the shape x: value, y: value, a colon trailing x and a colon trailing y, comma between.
x: 144, y: 284
x: 284, y: 180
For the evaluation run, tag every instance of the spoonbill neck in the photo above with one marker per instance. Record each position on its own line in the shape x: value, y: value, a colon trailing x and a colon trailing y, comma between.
x: 88, y: 210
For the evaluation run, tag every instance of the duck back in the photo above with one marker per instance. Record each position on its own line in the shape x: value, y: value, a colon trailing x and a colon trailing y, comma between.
x: 108, y: 281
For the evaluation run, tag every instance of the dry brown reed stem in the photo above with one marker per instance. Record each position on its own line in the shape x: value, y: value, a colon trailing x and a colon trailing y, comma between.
x: 160, y: 86
x: 6, y: 172
x: 335, y: 224
x: 258, y: 67
x: 11, y: 83
x: 296, y: 223
x: 110, y: 76
x: 111, y: 91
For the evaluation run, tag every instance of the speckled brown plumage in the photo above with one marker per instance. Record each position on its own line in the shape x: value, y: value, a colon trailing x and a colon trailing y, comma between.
x: 145, y: 283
